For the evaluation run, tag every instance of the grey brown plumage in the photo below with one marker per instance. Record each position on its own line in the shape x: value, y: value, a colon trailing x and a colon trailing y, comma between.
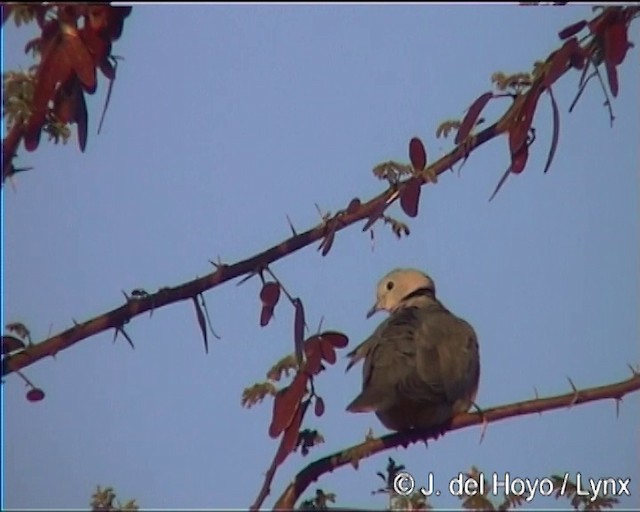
x: 421, y: 365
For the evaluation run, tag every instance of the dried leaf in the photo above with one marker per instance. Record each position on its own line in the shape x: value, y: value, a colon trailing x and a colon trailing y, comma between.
x: 410, y: 197
x: 327, y: 242
x: 298, y: 330
x: 417, y: 154
x: 319, y: 406
x: 572, y: 29
x: 290, y: 438
x: 11, y: 344
x: 202, y: 324
x: 556, y: 130
x: 270, y: 293
x: 471, y: 117
x: 286, y: 404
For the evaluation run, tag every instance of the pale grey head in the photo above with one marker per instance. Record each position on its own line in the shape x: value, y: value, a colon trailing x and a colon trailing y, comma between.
x: 398, y: 287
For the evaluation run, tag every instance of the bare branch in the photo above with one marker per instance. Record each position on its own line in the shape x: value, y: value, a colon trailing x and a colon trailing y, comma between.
x: 316, y: 469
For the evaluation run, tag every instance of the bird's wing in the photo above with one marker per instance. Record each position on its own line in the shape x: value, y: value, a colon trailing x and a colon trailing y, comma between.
x: 390, y: 370
x: 447, y: 353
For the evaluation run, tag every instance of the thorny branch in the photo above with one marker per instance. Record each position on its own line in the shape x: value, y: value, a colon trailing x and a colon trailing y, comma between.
x: 353, y: 454
x: 116, y: 318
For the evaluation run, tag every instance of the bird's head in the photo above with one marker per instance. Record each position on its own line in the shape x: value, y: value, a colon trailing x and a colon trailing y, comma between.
x: 400, y: 286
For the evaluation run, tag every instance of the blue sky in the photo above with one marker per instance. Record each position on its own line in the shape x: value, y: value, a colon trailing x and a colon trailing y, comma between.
x: 225, y: 119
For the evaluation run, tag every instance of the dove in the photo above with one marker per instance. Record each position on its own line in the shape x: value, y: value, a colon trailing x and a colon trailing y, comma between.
x: 422, y: 364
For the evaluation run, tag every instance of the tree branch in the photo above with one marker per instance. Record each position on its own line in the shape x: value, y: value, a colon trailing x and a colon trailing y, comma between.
x: 116, y: 318
x: 139, y: 305
x: 352, y: 455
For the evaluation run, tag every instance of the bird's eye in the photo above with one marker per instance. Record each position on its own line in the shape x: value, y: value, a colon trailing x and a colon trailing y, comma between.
x: 390, y: 285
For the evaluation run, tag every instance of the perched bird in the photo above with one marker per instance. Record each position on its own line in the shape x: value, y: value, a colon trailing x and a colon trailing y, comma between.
x: 421, y: 365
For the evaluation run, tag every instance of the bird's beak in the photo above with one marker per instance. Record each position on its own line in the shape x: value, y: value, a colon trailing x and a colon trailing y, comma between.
x: 374, y: 309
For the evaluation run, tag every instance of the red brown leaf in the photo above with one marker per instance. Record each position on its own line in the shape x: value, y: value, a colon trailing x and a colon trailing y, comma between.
x: 410, y: 197
x: 338, y: 340
x: 559, y: 62
x: 313, y: 353
x: 327, y: 242
x: 612, y: 77
x: 35, y: 395
x: 572, y: 29
x: 81, y: 119
x: 291, y: 434
x: 519, y: 160
x: 79, y: 57
x: 471, y: 117
x: 270, y: 293
x: 319, y: 406
x: 266, y: 314
x: 11, y: 344
x: 556, y: 131
x: 286, y: 403
x: 616, y: 42
x: 521, y: 123
x: 298, y: 329
x: 327, y: 351
x: 417, y: 154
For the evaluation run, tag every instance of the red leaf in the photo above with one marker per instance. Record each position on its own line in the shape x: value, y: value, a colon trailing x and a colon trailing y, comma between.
x: 319, y: 406
x: 354, y: 206
x: 559, y: 61
x: 81, y: 119
x: 410, y: 197
x: 35, y: 395
x: 11, y: 344
x: 519, y: 160
x: 521, y: 124
x: 313, y: 353
x: 612, y: 76
x: 471, y: 117
x: 266, y: 314
x: 80, y: 58
x: 327, y: 351
x: 556, y: 131
x: 572, y: 29
x: 108, y: 69
x: 298, y: 329
x: 616, y: 43
x: 270, y: 293
x: 286, y: 404
x: 291, y: 434
x: 417, y: 154
x: 338, y: 340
